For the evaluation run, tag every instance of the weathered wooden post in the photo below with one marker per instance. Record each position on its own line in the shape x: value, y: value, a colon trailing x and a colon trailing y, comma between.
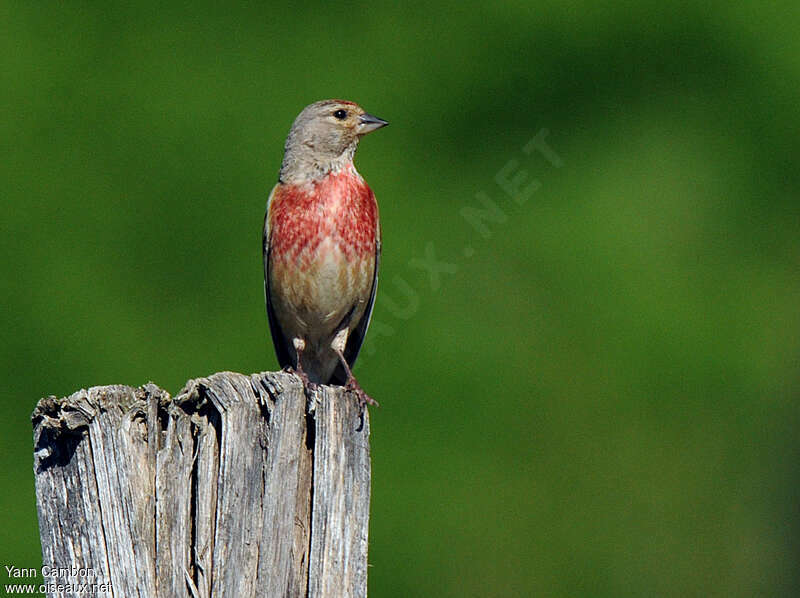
x: 238, y: 487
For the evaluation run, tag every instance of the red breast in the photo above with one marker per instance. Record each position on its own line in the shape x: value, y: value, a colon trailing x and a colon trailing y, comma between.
x: 340, y: 207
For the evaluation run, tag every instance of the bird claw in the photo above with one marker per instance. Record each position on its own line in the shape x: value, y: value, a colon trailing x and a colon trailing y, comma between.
x: 352, y: 385
x: 309, y: 386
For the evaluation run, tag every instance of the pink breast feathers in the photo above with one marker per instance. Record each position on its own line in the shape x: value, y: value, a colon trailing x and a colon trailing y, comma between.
x: 340, y: 208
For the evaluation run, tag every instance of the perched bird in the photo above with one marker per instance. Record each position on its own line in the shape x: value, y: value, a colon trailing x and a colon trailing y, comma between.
x: 321, y: 246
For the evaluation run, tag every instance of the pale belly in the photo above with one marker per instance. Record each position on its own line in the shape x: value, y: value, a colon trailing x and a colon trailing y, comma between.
x: 320, y: 292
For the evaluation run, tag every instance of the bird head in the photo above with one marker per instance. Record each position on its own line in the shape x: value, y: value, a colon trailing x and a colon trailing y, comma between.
x: 324, y: 138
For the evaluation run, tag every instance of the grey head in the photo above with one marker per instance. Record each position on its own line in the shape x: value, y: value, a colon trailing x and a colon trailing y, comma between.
x: 324, y: 138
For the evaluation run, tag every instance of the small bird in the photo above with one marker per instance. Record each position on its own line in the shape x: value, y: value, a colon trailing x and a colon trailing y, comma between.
x: 322, y: 244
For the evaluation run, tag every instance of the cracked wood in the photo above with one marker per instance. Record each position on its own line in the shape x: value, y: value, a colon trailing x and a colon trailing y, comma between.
x: 239, y: 486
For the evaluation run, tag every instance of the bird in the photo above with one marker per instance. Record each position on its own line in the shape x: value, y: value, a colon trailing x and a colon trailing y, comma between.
x: 322, y: 246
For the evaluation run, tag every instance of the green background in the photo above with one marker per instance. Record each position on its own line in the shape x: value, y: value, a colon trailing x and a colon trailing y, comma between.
x: 601, y: 400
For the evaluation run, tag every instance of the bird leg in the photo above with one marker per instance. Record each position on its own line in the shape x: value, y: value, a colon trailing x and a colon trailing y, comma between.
x: 338, y: 345
x: 299, y: 347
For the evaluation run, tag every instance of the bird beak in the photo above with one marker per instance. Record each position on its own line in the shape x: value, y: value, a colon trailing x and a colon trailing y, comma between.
x: 368, y: 123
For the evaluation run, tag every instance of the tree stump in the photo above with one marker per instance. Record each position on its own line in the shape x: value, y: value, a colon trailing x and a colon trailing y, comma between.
x: 238, y: 487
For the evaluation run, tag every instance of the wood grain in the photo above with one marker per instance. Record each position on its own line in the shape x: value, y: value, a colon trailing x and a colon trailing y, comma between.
x: 239, y: 486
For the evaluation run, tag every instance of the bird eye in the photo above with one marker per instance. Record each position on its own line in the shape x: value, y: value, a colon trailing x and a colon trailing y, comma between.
x: 340, y: 114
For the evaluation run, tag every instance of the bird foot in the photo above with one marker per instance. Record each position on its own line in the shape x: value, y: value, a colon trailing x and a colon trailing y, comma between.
x: 352, y: 385
x: 309, y: 386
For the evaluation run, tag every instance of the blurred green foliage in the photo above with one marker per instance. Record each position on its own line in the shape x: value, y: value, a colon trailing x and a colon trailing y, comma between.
x: 599, y: 399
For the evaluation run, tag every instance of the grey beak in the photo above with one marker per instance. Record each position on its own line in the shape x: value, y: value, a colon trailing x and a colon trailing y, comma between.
x: 368, y: 123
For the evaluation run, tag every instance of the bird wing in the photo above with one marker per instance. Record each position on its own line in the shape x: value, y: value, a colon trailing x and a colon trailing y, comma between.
x: 278, y: 337
x: 357, y: 334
